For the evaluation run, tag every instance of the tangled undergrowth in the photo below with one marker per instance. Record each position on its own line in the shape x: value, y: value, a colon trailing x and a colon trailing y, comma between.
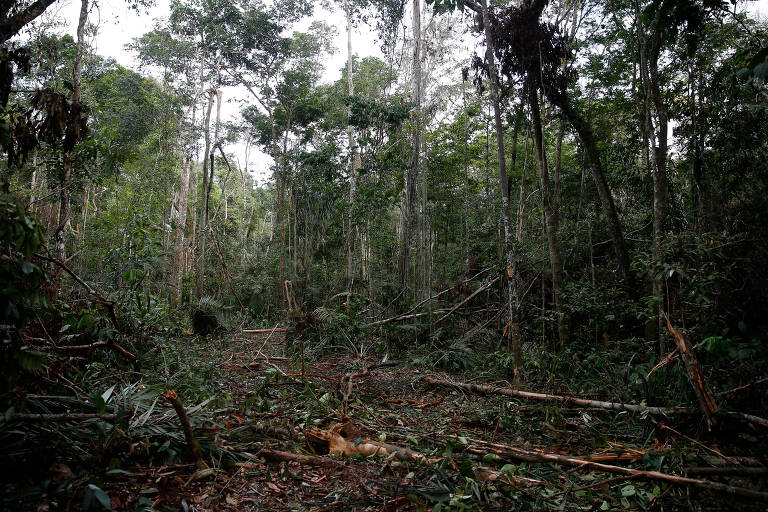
x: 109, y: 439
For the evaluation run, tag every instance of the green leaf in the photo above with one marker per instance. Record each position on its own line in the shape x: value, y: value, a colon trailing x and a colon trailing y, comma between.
x: 628, y: 490
x: 93, y: 495
x: 27, y: 267
x: 508, y: 469
x: 117, y: 472
x: 490, y: 457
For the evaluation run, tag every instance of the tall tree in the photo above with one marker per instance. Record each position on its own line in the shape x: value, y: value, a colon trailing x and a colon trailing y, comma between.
x: 68, y: 159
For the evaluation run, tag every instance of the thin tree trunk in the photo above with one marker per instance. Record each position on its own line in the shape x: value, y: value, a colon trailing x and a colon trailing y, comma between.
x: 355, y: 163
x: 504, y: 185
x: 412, y: 175
x: 68, y: 159
x: 550, y: 216
x: 203, y: 221
x: 584, y: 130
x: 659, y: 185
x: 181, y: 223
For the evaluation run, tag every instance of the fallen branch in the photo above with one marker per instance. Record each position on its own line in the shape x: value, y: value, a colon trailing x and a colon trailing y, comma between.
x: 470, y: 297
x: 741, y: 471
x: 109, y: 304
x: 62, y: 417
x: 535, y: 456
x: 194, y: 447
x: 400, y: 317
x: 672, y: 355
x: 98, y: 344
x: 263, y: 331
x: 566, y: 400
x: 356, y: 375
x: 407, y: 315
x: 280, y: 456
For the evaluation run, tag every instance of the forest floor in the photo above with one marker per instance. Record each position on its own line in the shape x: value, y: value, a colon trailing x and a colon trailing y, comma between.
x: 251, y: 406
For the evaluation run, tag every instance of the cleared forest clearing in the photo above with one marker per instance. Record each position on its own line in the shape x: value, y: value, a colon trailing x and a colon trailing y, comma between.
x: 265, y: 430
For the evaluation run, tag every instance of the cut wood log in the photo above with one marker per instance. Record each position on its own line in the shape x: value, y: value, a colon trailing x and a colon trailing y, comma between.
x: 692, y: 368
x: 173, y: 398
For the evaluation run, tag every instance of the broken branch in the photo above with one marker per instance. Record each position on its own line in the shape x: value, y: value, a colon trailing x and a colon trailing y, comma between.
x: 566, y: 400
x: 173, y: 398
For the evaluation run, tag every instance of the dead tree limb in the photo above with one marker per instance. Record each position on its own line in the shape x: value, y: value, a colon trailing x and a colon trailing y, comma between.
x: 536, y: 456
x: 62, y: 417
x: 106, y: 344
x: 740, y: 471
x: 263, y: 331
x: 692, y: 368
x: 566, y: 400
x: 224, y: 267
x: 470, y: 297
x: 173, y: 398
x: 108, y: 304
x: 407, y: 315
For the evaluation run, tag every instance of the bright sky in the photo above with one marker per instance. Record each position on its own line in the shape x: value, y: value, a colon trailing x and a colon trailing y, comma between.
x: 119, y: 25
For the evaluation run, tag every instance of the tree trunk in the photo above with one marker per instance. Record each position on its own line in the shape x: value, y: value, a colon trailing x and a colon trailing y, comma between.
x: 504, y: 186
x: 355, y: 163
x: 68, y: 158
x: 584, y: 130
x: 412, y: 174
x: 203, y: 222
x: 181, y: 223
x: 550, y: 216
x: 659, y: 186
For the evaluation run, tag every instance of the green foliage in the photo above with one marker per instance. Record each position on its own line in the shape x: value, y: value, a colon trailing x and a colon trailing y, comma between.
x: 22, y: 294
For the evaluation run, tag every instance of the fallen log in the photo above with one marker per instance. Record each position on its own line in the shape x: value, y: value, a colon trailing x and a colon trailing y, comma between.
x: 536, y: 456
x: 566, y: 400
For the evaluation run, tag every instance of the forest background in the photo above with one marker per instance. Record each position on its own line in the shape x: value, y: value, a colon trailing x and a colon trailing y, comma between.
x: 503, y: 186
